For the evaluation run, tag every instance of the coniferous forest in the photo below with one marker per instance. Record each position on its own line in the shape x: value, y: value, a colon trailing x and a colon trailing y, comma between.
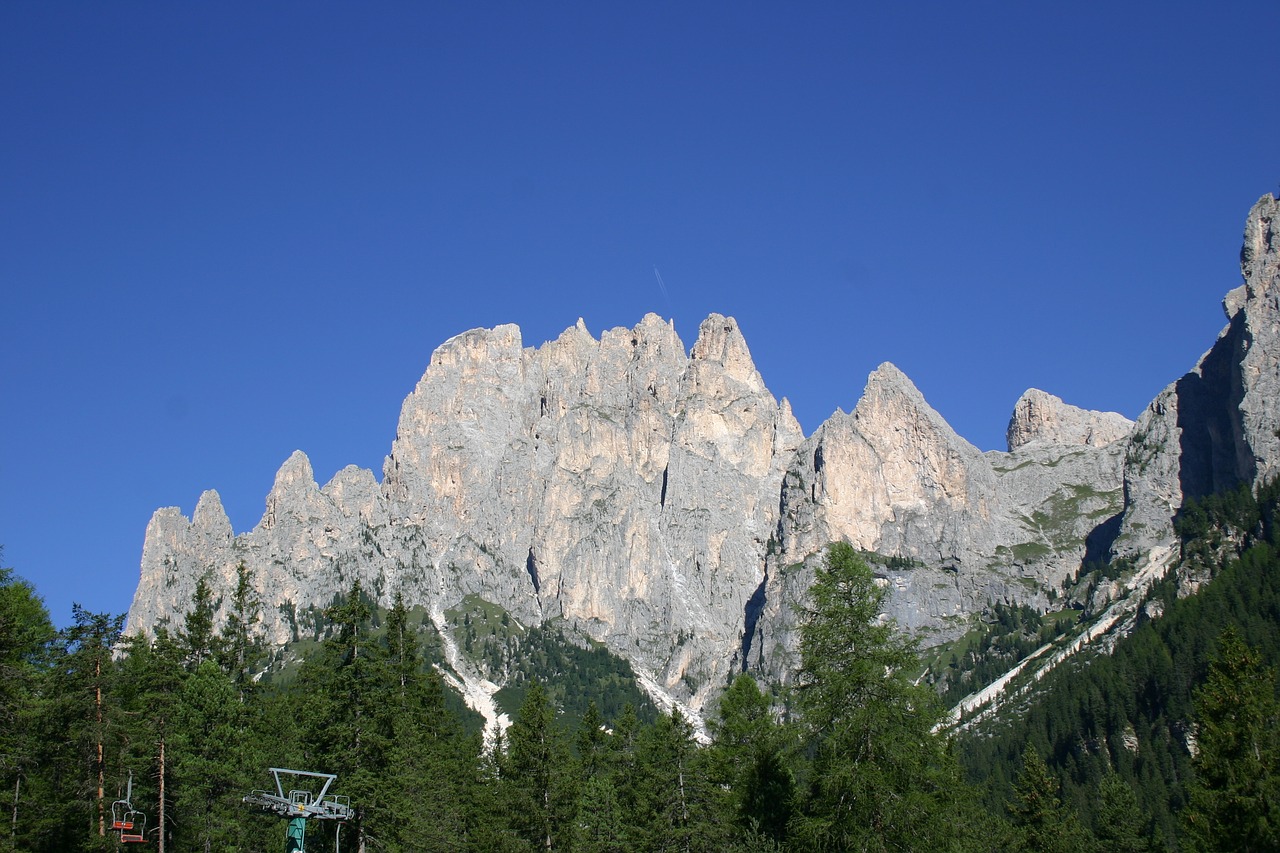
x: 1170, y: 742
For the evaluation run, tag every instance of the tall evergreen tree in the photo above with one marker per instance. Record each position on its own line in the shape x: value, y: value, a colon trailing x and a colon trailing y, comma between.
x: 344, y: 704
x: 26, y: 638
x: 215, y: 762
x: 1235, y: 798
x: 1043, y: 823
x: 536, y: 774
x: 682, y: 810
x: 881, y: 778
x: 197, y: 638
x: 1121, y: 824
x: 748, y: 758
x: 240, y: 645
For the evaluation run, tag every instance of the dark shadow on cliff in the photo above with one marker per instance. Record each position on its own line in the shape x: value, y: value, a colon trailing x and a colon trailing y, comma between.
x: 751, y: 617
x: 1098, y: 542
x: 1213, y: 456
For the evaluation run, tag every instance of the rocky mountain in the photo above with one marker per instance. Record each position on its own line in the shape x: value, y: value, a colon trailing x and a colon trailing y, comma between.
x: 662, y: 502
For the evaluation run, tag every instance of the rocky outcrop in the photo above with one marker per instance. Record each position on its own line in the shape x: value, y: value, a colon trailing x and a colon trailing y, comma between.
x: 1042, y: 417
x: 949, y: 529
x: 621, y: 487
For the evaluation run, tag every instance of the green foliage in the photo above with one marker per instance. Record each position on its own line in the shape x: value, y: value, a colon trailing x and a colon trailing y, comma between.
x: 1040, y: 820
x: 1009, y: 633
x: 572, y: 675
x: 749, y: 758
x: 1235, y: 798
x: 879, y: 778
x: 537, y: 786
x: 1131, y: 713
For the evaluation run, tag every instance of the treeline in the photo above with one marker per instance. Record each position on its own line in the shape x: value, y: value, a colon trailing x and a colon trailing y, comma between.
x: 1146, y: 714
x: 849, y: 757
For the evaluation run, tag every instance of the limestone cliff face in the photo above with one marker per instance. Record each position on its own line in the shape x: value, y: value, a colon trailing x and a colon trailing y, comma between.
x: 617, y: 485
x: 949, y: 529
x: 1041, y: 417
x: 661, y: 501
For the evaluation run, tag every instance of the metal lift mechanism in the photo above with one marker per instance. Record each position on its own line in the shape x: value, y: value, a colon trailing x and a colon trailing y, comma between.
x: 299, y: 805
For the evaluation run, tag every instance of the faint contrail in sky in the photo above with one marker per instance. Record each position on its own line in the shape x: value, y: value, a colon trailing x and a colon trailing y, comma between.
x: 665, y: 295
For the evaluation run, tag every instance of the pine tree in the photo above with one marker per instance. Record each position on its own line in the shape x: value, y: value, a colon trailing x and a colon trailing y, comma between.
x: 214, y: 764
x: 345, y: 702
x: 536, y: 779
x: 26, y: 638
x: 1043, y: 823
x: 881, y: 778
x: 683, y: 809
x: 240, y: 647
x: 1235, y: 797
x: 197, y: 638
x: 747, y: 758
x: 599, y: 826
x: 1120, y: 821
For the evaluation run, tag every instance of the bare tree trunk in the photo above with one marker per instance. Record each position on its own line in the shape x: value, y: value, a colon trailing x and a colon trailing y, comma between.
x: 160, y: 845
x: 13, y: 827
x: 102, y: 812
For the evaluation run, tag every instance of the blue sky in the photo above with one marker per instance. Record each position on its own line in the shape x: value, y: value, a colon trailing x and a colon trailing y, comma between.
x: 234, y: 230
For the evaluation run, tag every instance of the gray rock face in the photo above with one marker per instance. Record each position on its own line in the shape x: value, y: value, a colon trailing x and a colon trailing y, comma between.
x: 952, y: 529
x: 664, y: 503
x: 619, y: 486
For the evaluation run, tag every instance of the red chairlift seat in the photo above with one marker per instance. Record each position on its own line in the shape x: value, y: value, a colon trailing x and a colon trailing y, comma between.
x: 120, y: 814
x: 131, y: 819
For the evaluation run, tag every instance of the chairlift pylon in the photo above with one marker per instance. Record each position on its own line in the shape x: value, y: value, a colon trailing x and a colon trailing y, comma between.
x: 299, y: 805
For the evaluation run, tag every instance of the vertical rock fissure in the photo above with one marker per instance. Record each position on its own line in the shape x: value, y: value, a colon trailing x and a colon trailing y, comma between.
x: 662, y: 498
x: 531, y: 566
x: 751, y: 617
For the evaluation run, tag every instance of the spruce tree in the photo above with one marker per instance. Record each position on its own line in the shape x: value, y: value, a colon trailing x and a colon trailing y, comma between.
x: 1041, y: 820
x: 1235, y: 797
x: 536, y: 779
x: 881, y: 778
x: 748, y: 759
x: 26, y: 638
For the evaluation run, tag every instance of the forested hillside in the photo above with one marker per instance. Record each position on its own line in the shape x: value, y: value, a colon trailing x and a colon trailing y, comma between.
x: 1197, y: 668
x: 851, y: 757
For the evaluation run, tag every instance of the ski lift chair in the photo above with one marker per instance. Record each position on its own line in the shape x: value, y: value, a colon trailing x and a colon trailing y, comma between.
x: 135, y: 831
x: 120, y: 810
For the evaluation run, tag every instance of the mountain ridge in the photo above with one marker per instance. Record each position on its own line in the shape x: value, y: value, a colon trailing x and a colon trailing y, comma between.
x: 663, y: 502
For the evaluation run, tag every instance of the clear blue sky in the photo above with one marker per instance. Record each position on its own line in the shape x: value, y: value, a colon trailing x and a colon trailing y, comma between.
x: 231, y: 230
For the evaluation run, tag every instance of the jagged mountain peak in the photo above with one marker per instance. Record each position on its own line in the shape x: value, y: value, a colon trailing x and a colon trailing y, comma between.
x: 1260, y: 252
x: 659, y: 501
x: 892, y: 413
x: 720, y: 342
x: 210, y: 516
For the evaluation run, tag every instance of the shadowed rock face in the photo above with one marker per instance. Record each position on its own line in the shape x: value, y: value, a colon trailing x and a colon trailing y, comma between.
x: 1216, y: 426
x: 663, y: 502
